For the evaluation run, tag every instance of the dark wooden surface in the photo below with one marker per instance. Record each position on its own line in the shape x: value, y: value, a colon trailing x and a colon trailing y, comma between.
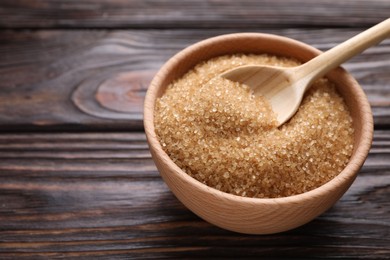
x: 76, y: 176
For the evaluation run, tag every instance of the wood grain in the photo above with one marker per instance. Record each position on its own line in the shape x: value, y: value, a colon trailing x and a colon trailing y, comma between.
x: 100, y: 196
x: 76, y: 177
x: 57, y: 79
x: 191, y: 14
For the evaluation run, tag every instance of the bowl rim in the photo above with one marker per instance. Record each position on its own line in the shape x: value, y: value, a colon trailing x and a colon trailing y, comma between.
x: 349, y: 172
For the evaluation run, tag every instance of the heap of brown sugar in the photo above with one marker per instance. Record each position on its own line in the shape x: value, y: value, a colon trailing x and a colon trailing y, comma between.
x: 223, y: 136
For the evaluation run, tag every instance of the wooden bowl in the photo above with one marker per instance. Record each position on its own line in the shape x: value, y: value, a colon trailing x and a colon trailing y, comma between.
x: 255, y: 215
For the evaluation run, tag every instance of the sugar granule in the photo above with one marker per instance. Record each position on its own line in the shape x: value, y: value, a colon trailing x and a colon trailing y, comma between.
x: 216, y: 131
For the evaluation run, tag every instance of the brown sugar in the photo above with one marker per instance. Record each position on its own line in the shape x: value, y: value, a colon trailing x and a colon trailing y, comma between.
x: 216, y: 131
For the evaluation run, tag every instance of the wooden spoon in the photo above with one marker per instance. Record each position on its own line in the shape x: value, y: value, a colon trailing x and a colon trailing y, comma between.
x: 285, y: 87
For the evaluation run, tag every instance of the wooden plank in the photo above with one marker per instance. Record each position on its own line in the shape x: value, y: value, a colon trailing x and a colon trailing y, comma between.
x: 74, y: 80
x: 100, y: 195
x: 191, y: 14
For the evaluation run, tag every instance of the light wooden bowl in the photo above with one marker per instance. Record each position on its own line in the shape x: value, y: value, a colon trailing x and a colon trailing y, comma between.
x: 254, y: 215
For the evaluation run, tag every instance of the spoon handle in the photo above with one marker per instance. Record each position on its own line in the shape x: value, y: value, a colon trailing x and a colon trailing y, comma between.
x: 320, y: 65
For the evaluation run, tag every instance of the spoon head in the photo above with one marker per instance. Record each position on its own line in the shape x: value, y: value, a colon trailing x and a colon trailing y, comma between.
x: 276, y: 84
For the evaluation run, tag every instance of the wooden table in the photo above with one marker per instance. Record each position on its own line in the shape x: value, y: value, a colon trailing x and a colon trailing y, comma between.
x: 76, y: 176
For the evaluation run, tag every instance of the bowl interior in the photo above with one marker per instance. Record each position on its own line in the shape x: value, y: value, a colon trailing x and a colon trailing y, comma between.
x: 257, y: 43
